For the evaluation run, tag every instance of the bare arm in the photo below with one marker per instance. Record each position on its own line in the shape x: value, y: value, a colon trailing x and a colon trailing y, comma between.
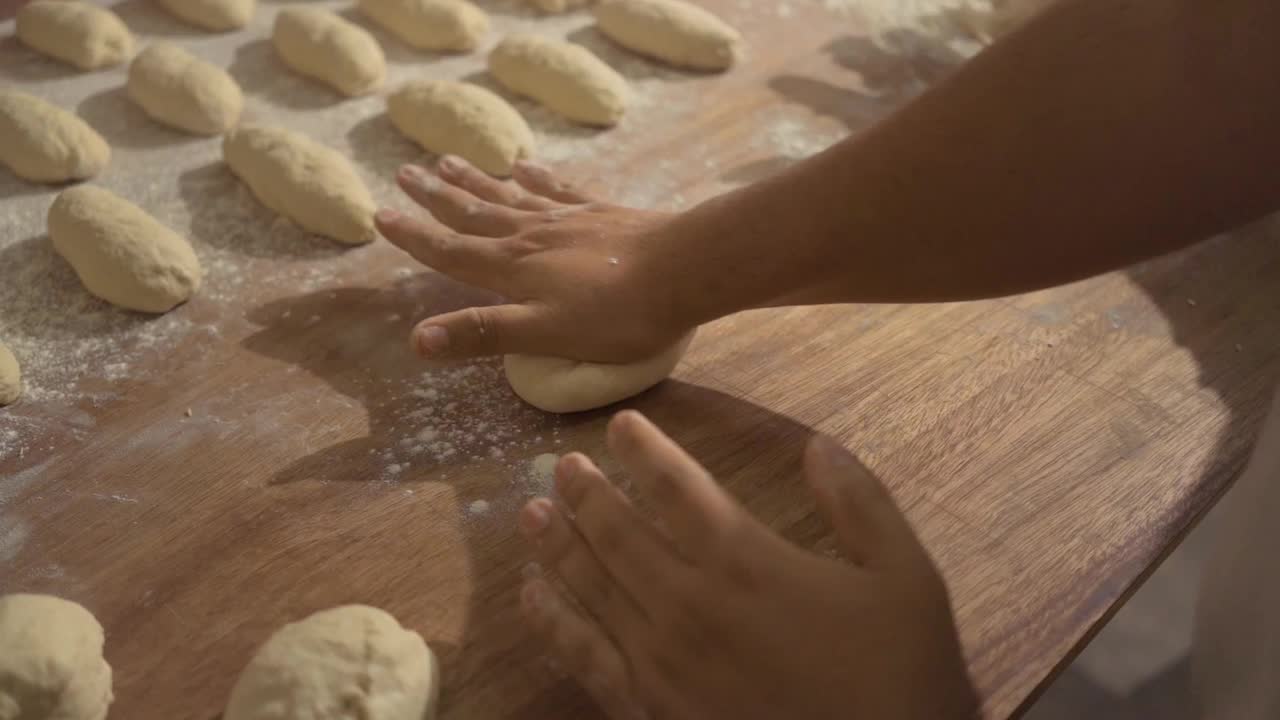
x: 1102, y: 133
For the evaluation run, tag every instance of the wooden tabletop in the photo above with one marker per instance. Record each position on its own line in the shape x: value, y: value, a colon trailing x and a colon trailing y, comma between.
x: 1050, y: 449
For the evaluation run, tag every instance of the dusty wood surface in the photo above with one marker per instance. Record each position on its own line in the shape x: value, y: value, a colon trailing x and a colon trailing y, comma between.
x: 1049, y: 448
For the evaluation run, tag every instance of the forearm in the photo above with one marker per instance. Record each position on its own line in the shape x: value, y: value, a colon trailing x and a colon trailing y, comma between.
x: 1103, y: 133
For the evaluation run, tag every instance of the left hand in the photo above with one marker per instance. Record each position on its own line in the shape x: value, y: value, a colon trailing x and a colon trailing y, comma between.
x: 717, y: 617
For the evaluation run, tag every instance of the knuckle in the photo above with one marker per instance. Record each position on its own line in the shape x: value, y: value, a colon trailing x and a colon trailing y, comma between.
x: 484, y: 325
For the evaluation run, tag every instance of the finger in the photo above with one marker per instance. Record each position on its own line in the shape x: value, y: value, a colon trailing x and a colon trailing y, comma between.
x: 868, y: 524
x: 476, y: 332
x: 457, y: 171
x: 539, y: 181
x: 628, y: 547
x: 698, y: 513
x: 582, y: 649
x: 468, y: 258
x: 456, y: 207
x: 559, y: 546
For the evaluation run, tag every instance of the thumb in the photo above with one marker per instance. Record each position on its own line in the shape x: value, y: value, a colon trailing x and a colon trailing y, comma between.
x: 474, y: 332
x: 869, y: 527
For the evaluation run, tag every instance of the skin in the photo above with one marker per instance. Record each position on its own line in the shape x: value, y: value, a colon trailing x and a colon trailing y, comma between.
x: 1102, y: 133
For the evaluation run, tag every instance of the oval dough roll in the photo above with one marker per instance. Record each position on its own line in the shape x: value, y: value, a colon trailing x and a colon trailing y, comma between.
x: 216, y: 15
x: 564, y: 386
x: 74, y: 32
x: 10, y: 377
x: 447, y: 25
x: 673, y: 31
x: 321, y: 45
x: 122, y: 254
x: 565, y: 77
x: 305, y: 181
x: 44, y: 143
x: 179, y: 90
x: 464, y: 119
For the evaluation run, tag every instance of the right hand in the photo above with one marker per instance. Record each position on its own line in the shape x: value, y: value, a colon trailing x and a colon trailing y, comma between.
x: 578, y: 276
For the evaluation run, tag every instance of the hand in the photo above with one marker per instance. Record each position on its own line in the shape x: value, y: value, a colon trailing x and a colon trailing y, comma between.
x: 573, y: 271
x: 717, y: 617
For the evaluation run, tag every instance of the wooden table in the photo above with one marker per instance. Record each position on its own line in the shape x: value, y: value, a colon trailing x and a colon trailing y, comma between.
x: 1050, y: 448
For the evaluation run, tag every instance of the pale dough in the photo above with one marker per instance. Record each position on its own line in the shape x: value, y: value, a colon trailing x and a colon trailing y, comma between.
x: 122, y: 254
x: 216, y: 15
x: 673, y: 31
x: 445, y: 25
x: 74, y: 32
x: 10, y: 381
x: 444, y: 116
x: 564, y: 386
x: 44, y: 143
x: 353, y: 661
x: 310, y: 184
x: 178, y: 89
x: 321, y: 45
x: 565, y: 77
x: 51, y: 664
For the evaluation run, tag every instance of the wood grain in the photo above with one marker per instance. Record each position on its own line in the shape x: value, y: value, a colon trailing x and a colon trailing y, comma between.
x: 1050, y: 448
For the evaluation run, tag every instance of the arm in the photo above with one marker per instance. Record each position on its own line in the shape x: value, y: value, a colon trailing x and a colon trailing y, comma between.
x: 1102, y: 133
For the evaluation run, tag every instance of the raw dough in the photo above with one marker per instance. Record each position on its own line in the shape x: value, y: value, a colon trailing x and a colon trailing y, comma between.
x: 10, y: 391
x: 216, y: 15
x: 305, y: 181
x: 353, y: 661
x: 122, y: 254
x: 672, y: 31
x: 444, y: 116
x: 565, y: 77
x: 174, y: 87
x: 321, y: 45
x: 51, y: 664
x: 564, y: 386
x: 74, y: 32
x: 44, y: 143
x: 449, y: 25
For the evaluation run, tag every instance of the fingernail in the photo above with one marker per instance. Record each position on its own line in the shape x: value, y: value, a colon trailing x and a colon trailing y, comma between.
x: 432, y: 340
x: 529, y: 164
x: 535, y: 518
x: 531, y: 571
x: 386, y: 215
x: 450, y: 164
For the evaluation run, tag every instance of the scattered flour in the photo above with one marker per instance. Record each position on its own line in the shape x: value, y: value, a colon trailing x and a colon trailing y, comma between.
x: 478, y: 507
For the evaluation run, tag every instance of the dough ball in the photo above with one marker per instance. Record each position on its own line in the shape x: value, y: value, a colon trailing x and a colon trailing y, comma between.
x: 319, y: 44
x: 672, y: 31
x: 442, y: 25
x: 310, y: 184
x: 567, y: 78
x: 44, y: 143
x: 564, y: 386
x: 10, y: 377
x: 122, y: 254
x: 51, y: 664
x: 444, y: 116
x: 216, y: 15
x: 175, y: 88
x: 74, y: 32
x: 352, y: 661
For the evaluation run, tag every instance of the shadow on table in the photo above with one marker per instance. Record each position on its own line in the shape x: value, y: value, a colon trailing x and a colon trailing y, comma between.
x: 124, y: 124
x: 353, y: 339
x: 259, y: 71
x: 146, y: 17
x: 380, y: 147
x: 224, y: 213
x: 20, y: 64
